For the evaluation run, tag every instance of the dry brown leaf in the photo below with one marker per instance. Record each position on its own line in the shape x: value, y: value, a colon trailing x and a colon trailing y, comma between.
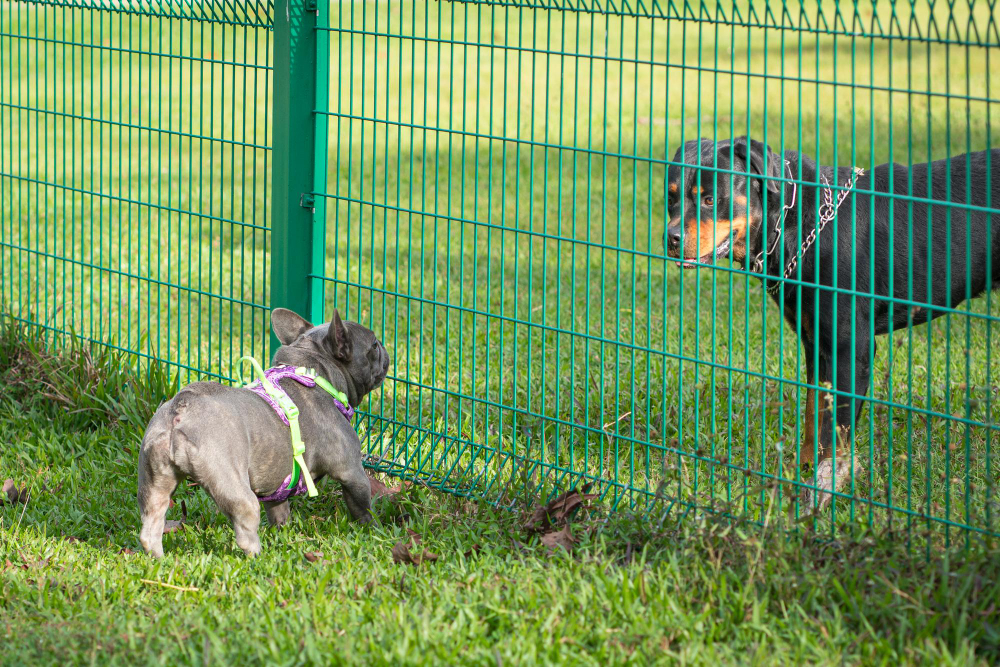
x: 401, y: 553
x: 125, y: 551
x: 313, y: 556
x: 171, y: 526
x: 558, y: 511
x: 560, y: 538
x: 32, y: 563
x: 379, y: 490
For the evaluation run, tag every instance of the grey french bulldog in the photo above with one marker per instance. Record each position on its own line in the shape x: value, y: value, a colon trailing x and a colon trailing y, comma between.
x: 236, y: 446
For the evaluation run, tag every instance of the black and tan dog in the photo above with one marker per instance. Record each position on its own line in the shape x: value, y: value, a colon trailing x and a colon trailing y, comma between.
x: 900, y: 269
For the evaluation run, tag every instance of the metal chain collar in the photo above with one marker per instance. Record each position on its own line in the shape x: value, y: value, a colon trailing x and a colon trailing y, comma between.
x: 758, y: 262
x: 827, y: 212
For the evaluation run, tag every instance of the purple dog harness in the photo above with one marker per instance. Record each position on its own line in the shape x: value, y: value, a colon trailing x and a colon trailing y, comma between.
x: 294, y: 484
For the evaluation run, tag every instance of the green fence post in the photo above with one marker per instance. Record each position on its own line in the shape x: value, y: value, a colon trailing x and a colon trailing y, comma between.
x: 294, y: 167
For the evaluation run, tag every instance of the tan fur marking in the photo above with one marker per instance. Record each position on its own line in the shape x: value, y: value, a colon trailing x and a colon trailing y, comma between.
x: 696, y: 190
x: 713, y: 232
x: 809, y: 441
x: 673, y: 188
x: 740, y: 201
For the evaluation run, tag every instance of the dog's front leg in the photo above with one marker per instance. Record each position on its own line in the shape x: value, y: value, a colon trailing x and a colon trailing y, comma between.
x: 357, y: 492
x: 810, y: 448
x: 837, y: 458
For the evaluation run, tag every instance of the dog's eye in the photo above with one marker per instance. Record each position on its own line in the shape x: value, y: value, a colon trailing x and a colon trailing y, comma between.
x: 708, y: 200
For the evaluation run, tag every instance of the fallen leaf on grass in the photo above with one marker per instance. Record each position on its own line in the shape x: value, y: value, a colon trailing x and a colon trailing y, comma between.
x: 313, y: 556
x: 125, y: 551
x: 558, y: 511
x: 475, y: 549
x: 378, y: 489
x: 401, y: 551
x: 560, y: 538
x: 31, y: 563
x: 401, y: 554
x: 171, y: 525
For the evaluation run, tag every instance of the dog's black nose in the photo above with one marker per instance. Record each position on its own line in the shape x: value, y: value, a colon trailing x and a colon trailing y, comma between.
x: 673, y: 238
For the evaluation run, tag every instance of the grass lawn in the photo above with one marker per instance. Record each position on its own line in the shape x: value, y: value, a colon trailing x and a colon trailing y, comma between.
x: 73, y: 590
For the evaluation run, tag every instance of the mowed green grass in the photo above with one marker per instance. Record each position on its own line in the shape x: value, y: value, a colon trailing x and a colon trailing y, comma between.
x: 76, y: 589
x: 521, y: 288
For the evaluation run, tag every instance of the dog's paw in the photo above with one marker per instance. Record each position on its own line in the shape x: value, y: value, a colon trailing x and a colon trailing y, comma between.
x: 252, y: 551
x: 829, y: 479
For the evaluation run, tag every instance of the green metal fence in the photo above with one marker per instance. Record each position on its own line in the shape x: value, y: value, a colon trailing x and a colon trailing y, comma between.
x: 134, y: 174
x: 485, y: 184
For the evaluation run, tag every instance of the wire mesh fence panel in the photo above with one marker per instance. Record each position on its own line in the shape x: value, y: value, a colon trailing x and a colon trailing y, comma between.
x: 709, y: 259
x: 134, y: 175
x: 500, y: 181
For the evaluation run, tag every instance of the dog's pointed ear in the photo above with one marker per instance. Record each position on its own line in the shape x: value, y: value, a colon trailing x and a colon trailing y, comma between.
x: 288, y: 326
x: 337, y: 339
x: 760, y: 160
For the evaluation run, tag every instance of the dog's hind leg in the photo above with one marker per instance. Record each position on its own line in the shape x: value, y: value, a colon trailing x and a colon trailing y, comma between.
x: 237, y: 501
x: 809, y: 449
x: 157, y: 480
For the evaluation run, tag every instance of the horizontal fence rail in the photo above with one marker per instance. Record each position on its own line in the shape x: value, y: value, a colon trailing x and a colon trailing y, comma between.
x: 487, y: 186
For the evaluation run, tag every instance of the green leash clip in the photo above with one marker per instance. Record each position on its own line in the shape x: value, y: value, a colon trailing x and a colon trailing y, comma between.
x: 292, y: 414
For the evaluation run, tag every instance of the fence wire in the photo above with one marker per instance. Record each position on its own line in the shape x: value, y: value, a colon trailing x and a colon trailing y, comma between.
x: 496, y: 203
x: 134, y: 175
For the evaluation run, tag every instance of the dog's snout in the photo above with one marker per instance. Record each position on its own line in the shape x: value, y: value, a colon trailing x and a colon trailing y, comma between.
x: 673, y: 238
